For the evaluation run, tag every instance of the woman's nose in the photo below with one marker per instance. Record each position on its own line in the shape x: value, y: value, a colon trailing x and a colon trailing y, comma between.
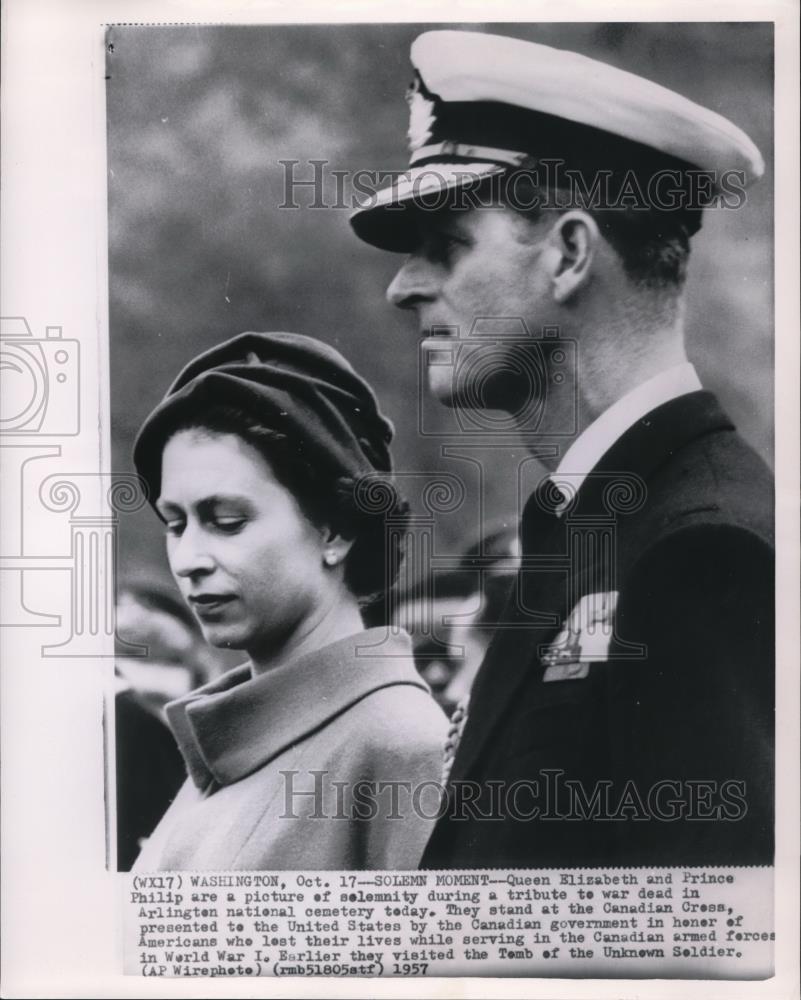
x: 413, y: 284
x: 188, y: 554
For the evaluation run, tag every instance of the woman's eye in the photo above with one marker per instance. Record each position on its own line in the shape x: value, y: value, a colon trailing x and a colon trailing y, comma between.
x: 230, y: 525
x: 173, y: 527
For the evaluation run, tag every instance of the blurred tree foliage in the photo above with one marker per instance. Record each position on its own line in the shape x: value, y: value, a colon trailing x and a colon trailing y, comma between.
x: 200, y: 248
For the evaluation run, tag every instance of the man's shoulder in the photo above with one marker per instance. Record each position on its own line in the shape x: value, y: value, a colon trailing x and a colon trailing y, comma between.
x: 715, y: 481
x: 704, y: 540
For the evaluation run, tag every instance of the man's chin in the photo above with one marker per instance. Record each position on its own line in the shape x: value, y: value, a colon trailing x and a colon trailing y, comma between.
x: 460, y: 397
x: 441, y: 385
x: 502, y: 393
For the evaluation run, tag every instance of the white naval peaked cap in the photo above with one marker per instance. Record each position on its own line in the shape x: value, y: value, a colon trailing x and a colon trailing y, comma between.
x: 485, y: 103
x: 469, y: 66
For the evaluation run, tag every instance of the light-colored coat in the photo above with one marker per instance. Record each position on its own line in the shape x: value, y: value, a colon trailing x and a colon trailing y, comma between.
x: 330, y: 762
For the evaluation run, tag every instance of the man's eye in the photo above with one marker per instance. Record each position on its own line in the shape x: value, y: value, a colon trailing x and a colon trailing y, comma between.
x: 441, y: 246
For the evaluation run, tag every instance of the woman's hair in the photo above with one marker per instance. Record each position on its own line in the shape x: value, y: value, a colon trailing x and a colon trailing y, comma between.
x: 326, y: 497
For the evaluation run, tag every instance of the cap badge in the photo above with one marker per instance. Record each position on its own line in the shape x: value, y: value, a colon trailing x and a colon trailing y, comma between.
x: 421, y: 116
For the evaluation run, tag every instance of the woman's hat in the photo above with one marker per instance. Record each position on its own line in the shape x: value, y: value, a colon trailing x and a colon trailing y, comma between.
x: 303, y: 389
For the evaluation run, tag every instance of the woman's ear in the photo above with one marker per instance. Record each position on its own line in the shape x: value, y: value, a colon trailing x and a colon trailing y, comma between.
x: 574, y: 238
x: 335, y: 548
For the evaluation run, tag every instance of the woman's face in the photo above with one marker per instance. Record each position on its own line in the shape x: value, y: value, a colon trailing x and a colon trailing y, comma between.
x: 247, y: 560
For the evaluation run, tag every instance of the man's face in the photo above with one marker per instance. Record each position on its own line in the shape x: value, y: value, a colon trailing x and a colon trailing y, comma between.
x: 473, y: 277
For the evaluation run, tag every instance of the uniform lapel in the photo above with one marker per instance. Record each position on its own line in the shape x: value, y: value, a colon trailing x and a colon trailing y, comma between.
x: 532, y: 614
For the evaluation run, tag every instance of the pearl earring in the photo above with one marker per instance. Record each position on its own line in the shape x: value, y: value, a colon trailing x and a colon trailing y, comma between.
x: 330, y: 558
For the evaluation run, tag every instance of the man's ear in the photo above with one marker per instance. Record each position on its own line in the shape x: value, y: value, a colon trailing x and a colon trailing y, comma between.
x: 574, y: 238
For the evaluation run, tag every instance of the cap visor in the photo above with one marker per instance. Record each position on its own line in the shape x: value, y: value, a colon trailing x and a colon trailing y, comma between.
x: 389, y: 219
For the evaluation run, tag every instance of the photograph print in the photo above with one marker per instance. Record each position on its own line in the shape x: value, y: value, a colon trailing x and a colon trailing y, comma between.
x: 444, y: 354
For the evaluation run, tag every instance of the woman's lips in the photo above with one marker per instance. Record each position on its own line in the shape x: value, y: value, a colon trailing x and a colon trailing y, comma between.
x: 206, y: 605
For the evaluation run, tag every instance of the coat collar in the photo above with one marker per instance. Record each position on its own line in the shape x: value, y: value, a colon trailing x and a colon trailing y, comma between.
x: 652, y: 441
x: 233, y: 726
x: 634, y: 458
x: 588, y: 449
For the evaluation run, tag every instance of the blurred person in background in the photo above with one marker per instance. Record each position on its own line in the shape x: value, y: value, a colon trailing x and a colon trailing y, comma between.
x: 554, y: 193
x: 149, y: 767
x: 450, y: 613
x: 437, y: 611
x: 178, y: 658
x: 253, y: 462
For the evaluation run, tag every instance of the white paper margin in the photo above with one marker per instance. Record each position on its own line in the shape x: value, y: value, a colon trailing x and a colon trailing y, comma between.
x: 59, y: 920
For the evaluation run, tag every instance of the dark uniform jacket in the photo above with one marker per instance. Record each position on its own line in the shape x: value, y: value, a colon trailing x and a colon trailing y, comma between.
x: 646, y: 738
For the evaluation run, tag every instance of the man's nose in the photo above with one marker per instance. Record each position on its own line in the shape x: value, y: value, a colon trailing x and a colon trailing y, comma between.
x: 414, y: 284
x: 189, y: 555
